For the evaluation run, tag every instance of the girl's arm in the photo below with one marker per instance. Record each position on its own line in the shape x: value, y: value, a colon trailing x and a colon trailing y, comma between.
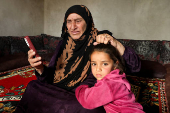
x: 94, y: 97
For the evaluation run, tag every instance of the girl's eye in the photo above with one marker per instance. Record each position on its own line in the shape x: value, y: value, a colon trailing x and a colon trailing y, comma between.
x: 105, y: 64
x: 93, y: 64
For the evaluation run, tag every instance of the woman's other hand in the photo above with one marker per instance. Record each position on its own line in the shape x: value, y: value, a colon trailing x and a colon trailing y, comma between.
x: 35, y: 62
x: 106, y: 38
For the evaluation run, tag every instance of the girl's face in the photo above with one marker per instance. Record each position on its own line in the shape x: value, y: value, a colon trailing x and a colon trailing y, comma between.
x: 101, y: 64
x: 76, y: 25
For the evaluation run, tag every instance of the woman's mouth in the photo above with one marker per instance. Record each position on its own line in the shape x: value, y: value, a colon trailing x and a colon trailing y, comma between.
x: 74, y: 32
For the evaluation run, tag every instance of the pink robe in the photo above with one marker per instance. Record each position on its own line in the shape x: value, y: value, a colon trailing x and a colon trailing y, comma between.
x: 113, y: 92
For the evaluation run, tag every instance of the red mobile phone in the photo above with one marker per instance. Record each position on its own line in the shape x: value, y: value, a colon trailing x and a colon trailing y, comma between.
x: 30, y: 45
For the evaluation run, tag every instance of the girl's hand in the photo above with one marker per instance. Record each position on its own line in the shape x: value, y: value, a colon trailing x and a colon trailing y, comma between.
x: 35, y: 62
x: 105, y: 38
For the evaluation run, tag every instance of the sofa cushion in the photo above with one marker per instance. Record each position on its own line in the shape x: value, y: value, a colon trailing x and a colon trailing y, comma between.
x: 18, y: 60
x: 167, y: 85
x: 165, y: 52
x: 151, y: 69
x: 136, y: 90
x: 18, y: 44
x: 10, y: 62
x: 37, y: 42
x: 146, y: 49
x: 50, y: 42
x: 152, y: 93
x: 45, y: 55
x: 5, y: 47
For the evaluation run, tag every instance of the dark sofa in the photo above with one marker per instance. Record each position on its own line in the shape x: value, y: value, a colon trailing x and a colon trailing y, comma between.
x: 13, y: 50
x: 154, y: 55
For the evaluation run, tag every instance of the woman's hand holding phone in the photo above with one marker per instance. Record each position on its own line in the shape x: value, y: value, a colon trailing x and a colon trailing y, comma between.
x: 33, y: 57
x: 35, y: 62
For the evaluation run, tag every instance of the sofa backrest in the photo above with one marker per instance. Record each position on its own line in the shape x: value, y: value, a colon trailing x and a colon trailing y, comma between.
x: 5, y: 46
x: 18, y: 44
x: 50, y: 42
x: 153, y: 50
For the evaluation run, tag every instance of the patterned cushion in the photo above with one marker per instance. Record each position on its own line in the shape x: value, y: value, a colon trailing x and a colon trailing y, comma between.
x: 152, y: 93
x: 5, y: 47
x: 165, y: 52
x: 37, y: 42
x: 146, y: 49
x: 136, y: 90
x: 18, y: 44
x: 50, y: 42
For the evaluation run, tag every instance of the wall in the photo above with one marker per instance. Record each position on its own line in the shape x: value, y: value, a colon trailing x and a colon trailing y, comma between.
x: 21, y: 17
x: 130, y: 19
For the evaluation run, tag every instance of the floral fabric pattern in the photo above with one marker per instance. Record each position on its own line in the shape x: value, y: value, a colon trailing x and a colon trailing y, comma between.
x: 153, y: 50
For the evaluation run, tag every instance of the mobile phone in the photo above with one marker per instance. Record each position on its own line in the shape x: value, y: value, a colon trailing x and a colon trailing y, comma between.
x: 30, y: 45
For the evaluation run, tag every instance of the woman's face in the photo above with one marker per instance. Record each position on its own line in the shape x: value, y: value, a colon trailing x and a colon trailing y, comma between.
x: 101, y: 64
x: 76, y: 25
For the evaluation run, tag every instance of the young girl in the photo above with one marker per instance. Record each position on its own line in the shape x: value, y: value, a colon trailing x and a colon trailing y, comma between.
x: 112, y: 90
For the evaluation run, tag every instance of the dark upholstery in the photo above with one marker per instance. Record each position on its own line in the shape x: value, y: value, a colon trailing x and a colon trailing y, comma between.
x: 50, y: 42
x: 18, y: 44
x: 13, y: 50
x: 151, y: 69
x: 14, y: 61
x: 154, y: 54
x: 5, y: 47
x: 153, y: 50
x: 167, y: 81
x: 165, y: 52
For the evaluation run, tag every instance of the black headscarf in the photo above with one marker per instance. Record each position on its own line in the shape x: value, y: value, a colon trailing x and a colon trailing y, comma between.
x: 83, y: 12
x: 73, y: 65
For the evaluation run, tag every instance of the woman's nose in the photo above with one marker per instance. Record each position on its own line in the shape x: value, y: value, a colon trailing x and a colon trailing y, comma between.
x: 73, y: 25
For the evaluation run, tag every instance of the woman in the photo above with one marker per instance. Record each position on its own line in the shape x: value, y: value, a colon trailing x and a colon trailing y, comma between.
x: 53, y: 91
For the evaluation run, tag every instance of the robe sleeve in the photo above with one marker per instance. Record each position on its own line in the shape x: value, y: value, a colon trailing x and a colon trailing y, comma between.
x: 132, y: 60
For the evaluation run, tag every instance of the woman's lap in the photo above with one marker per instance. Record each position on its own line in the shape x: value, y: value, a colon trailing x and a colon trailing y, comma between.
x: 46, y: 98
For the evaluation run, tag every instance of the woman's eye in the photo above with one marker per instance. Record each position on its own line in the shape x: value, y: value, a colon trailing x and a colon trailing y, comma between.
x: 78, y: 21
x: 68, y: 21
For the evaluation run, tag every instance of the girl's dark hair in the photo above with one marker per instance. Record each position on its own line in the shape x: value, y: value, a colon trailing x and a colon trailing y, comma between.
x: 113, y: 53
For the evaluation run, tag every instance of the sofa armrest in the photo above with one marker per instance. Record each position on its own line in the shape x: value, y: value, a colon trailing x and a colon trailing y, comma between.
x: 10, y: 62
x: 167, y: 83
x: 151, y: 69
